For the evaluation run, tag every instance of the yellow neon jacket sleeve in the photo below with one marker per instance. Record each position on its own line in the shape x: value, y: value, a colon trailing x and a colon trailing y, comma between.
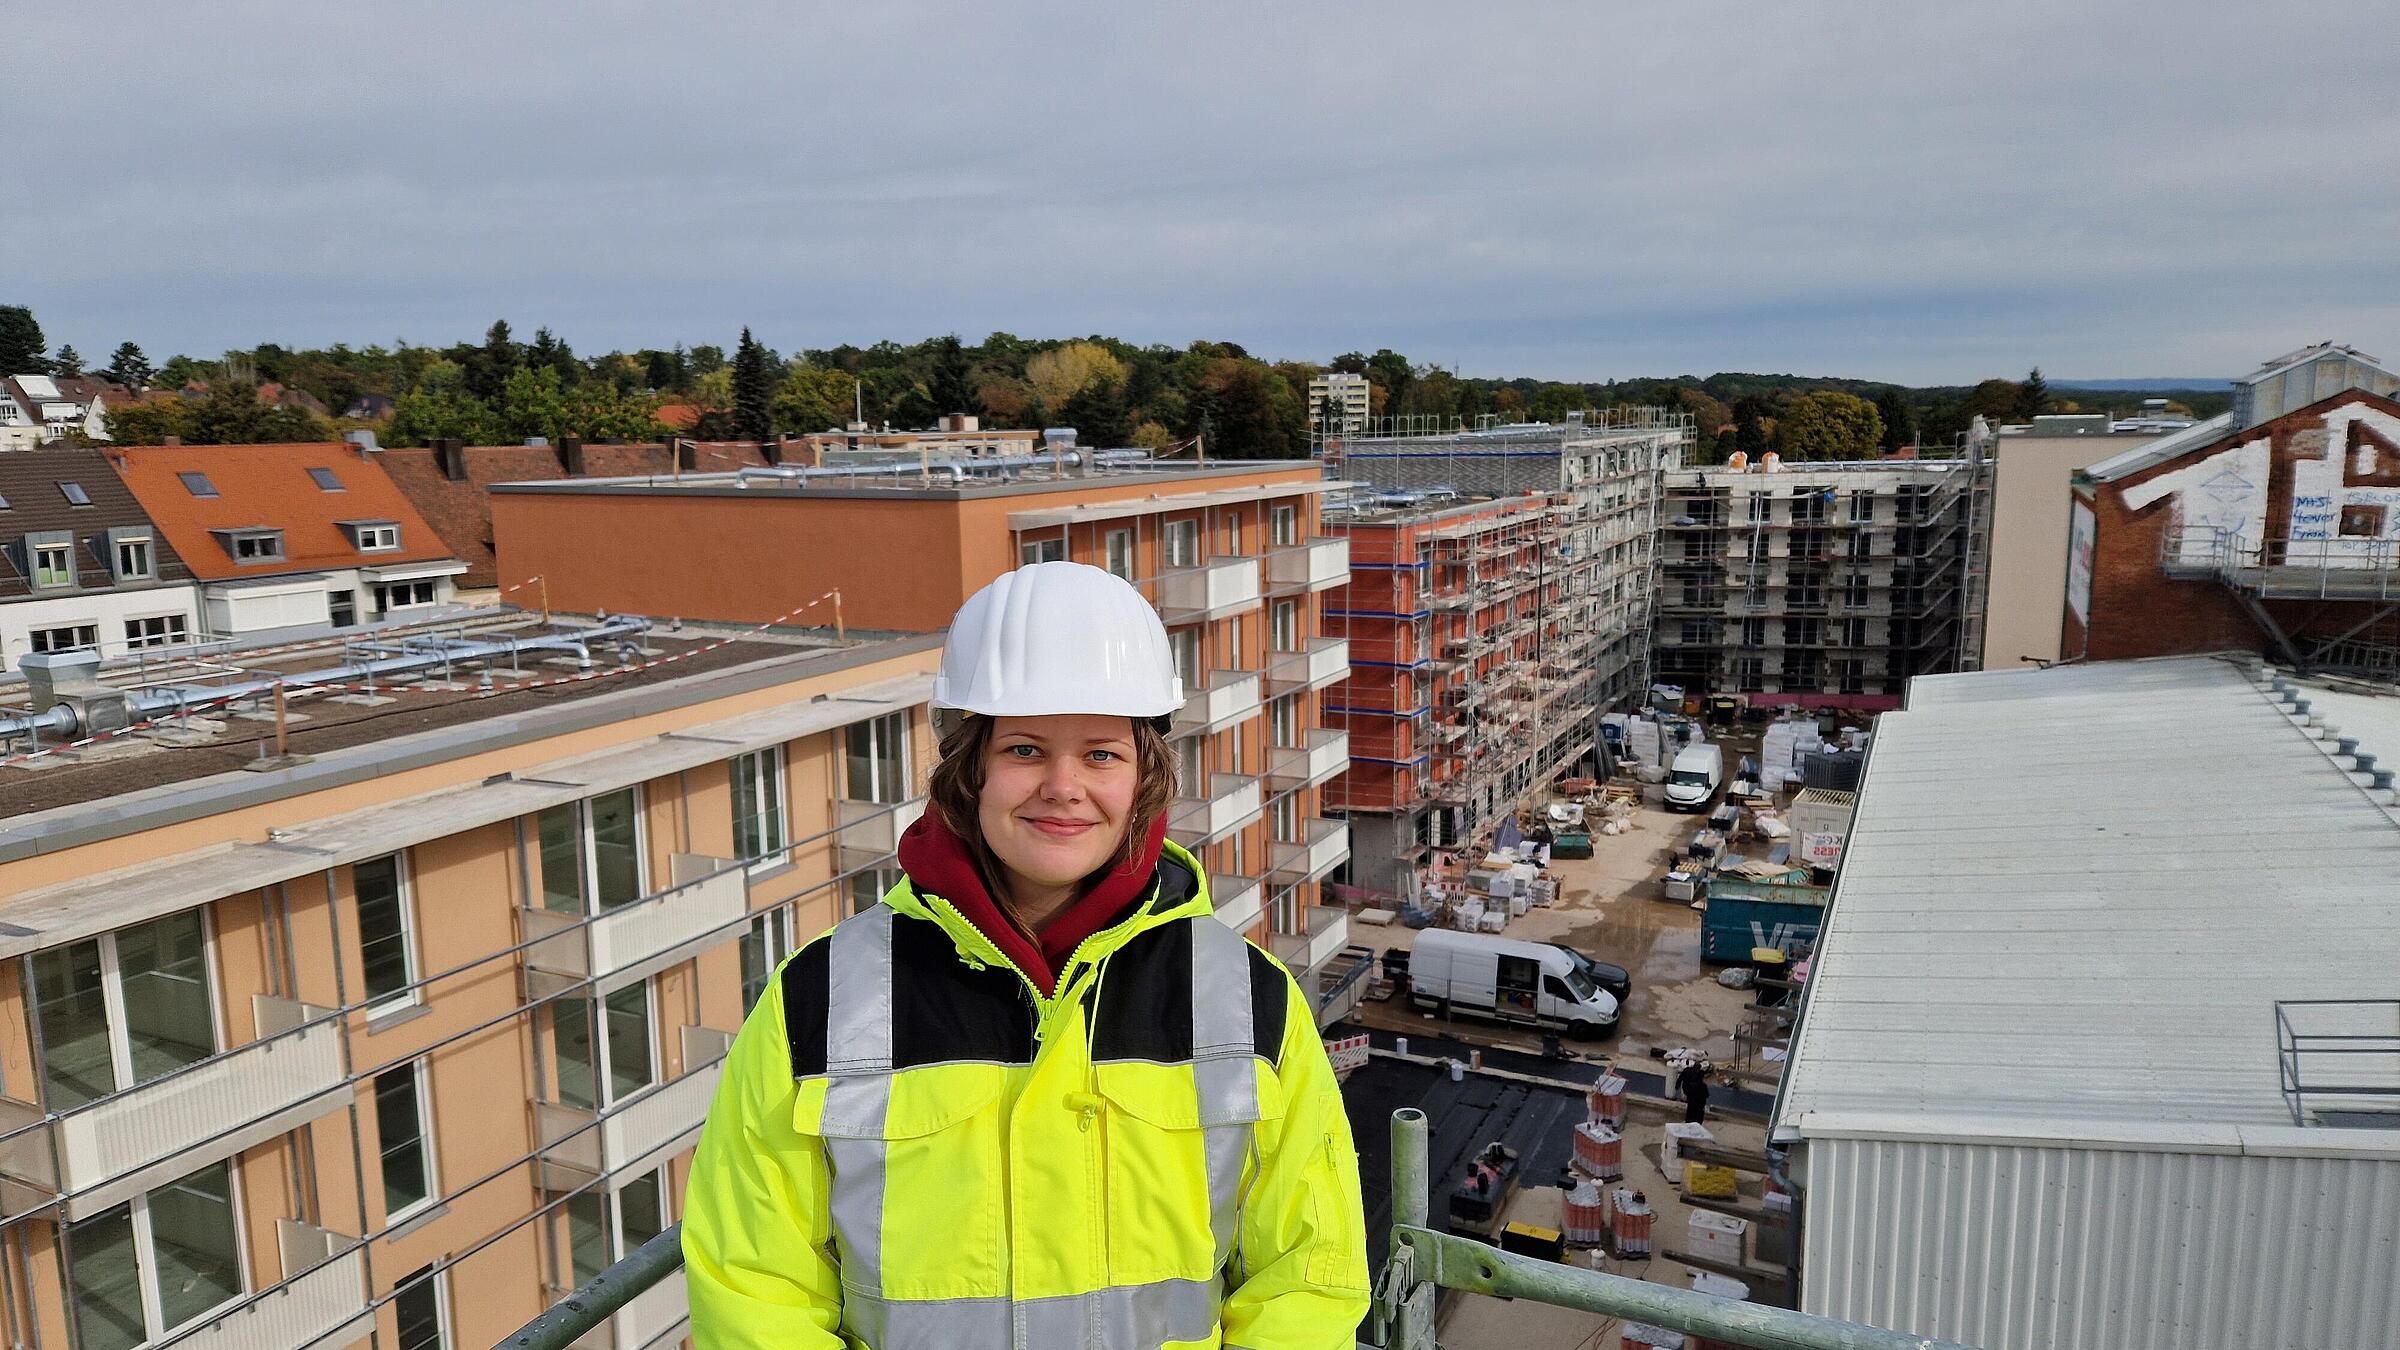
x: 1302, y: 1265
x: 757, y: 1233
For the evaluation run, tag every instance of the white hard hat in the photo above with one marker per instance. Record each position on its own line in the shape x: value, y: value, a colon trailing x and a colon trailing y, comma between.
x: 1058, y: 637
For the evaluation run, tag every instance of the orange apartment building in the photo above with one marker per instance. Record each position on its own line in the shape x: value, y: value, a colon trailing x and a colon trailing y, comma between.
x: 1473, y: 634
x: 1232, y: 555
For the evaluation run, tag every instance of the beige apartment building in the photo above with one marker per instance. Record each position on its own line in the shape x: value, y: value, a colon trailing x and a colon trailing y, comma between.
x: 2033, y: 530
x: 392, y: 1023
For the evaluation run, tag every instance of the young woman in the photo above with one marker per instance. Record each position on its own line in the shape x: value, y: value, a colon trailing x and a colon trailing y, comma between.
x: 1039, y: 1098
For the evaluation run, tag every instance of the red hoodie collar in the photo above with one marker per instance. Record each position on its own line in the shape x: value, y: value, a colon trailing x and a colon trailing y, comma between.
x: 938, y: 862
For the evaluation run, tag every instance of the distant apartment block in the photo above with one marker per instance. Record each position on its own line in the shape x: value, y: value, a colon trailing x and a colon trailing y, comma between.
x: 1234, y: 556
x: 1825, y: 583
x: 1343, y: 399
x: 85, y: 567
x: 290, y: 538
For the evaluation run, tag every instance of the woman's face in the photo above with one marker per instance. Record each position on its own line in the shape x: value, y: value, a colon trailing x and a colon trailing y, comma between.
x: 1057, y: 794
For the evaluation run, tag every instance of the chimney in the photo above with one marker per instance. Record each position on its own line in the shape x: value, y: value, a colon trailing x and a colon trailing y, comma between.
x: 773, y: 448
x: 451, y: 456
x: 570, y: 456
x: 687, y: 455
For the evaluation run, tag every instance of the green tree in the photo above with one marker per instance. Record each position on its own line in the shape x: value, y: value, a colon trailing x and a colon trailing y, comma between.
x: 533, y: 404
x: 702, y: 360
x: 812, y: 399
x: 2033, y: 396
x: 753, y: 390
x: 947, y: 385
x: 147, y: 423
x: 68, y: 362
x: 22, y: 350
x: 1829, y: 424
x: 1750, y: 427
x: 1899, y: 423
x: 489, y: 366
x: 547, y: 350
x: 440, y: 406
x: 1099, y: 414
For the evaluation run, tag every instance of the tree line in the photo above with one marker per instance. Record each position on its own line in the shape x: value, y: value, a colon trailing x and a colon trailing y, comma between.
x: 504, y: 390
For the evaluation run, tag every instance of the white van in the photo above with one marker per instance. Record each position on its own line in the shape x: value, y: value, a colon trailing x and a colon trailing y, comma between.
x: 1698, y: 772
x: 1508, y: 980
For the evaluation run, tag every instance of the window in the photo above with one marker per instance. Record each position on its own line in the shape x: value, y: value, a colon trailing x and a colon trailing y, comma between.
x: 252, y: 546
x: 1286, y: 814
x: 66, y: 638
x: 141, y: 1269
x: 123, y: 1008
x: 1283, y: 526
x: 1283, y: 720
x: 604, y: 1227
x: 158, y: 630
x: 400, y: 1133
x: 758, y: 805
x: 1749, y: 675
x: 867, y: 887
x: 2362, y: 522
x: 418, y: 1307
x: 133, y: 558
x: 53, y: 564
x: 591, y: 853
x: 602, y: 1048
x: 1809, y: 504
x: 1042, y: 551
x: 326, y: 480
x: 876, y: 763
x: 1183, y: 543
x: 1862, y: 545
x: 1283, y: 621
x: 1233, y: 534
x: 386, y: 931
x: 1803, y: 632
x: 197, y: 484
x: 391, y: 595
x: 74, y: 494
x: 1754, y: 632
x: 341, y: 608
x: 1853, y: 676
x: 1862, y: 504
x: 1119, y: 547
x: 378, y: 538
x: 763, y: 948
x: 1853, y: 633
x: 1184, y: 643
x: 1761, y: 507
x: 1854, y: 590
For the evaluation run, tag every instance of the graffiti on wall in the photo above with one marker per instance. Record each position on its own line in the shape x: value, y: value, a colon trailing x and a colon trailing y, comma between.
x: 2333, y: 487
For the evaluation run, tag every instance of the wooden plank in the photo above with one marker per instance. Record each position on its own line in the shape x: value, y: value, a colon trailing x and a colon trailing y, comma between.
x: 1718, y: 1155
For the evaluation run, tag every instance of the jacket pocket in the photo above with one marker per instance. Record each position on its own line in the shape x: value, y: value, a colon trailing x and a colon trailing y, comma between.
x: 918, y: 1182
x: 1174, y: 1169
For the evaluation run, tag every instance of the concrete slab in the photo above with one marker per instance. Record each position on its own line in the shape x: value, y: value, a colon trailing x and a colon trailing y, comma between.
x: 361, y: 700
x: 267, y: 715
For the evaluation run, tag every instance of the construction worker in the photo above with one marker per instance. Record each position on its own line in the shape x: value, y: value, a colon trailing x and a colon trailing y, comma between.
x: 1038, y: 1098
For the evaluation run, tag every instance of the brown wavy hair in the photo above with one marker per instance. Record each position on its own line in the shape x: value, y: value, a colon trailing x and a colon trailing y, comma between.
x: 956, y: 789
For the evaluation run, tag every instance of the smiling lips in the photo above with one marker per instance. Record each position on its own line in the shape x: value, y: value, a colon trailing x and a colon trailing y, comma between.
x: 1058, y: 827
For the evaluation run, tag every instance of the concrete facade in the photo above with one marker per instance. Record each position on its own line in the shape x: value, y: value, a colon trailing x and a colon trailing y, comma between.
x: 2031, y: 499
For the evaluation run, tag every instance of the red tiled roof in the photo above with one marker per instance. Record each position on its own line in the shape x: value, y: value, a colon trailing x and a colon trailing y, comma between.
x: 676, y: 416
x: 461, y: 512
x: 269, y: 485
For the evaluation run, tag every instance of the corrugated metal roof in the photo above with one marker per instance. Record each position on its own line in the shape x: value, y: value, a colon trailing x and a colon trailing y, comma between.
x: 2161, y: 450
x: 2070, y: 899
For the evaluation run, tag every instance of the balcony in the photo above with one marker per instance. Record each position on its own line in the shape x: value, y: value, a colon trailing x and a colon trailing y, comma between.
x: 1292, y: 767
x: 320, y: 1306
x: 1301, y: 953
x: 1228, y: 697
x: 1314, y: 566
x: 1239, y: 901
x: 1319, y: 662
x: 1234, y: 801
x: 869, y: 831
x: 97, y: 1155
x: 705, y: 907
x: 1212, y: 590
x: 1325, y: 848
x: 635, y: 1133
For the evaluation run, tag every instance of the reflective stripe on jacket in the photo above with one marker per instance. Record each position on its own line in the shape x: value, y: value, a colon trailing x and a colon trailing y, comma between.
x: 913, y: 1149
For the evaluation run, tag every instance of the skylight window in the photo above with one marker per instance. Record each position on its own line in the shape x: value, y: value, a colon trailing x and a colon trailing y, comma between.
x: 197, y: 484
x: 75, y: 494
x: 326, y: 481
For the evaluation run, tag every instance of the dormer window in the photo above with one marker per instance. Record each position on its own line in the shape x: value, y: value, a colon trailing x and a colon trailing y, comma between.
x: 133, y: 555
x: 373, y: 536
x: 53, y: 563
x: 252, y: 546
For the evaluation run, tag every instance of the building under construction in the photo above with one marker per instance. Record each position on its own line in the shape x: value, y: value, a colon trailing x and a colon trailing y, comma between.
x: 1831, y: 581
x: 1500, y: 592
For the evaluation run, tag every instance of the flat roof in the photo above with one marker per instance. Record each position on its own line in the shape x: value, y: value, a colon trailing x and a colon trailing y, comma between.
x: 900, y: 478
x: 2071, y: 898
x: 2166, y: 447
x: 1085, y: 512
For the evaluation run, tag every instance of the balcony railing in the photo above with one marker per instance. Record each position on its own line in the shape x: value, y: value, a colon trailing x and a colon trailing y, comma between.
x: 1318, y: 663
x: 698, y: 912
x: 1422, y: 1263
x: 1327, y: 844
x: 1234, y: 800
x: 1211, y: 590
x: 1239, y: 900
x: 1291, y: 767
x: 581, y: 1145
x: 1328, y: 931
x: 870, y: 831
x: 98, y: 1154
x: 1227, y: 698
x: 318, y: 1306
x: 1312, y: 566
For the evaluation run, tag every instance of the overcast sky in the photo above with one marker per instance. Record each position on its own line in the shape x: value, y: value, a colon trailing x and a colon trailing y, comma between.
x: 1916, y: 192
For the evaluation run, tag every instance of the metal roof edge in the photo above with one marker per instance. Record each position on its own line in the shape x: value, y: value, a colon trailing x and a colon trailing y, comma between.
x: 2277, y: 1141
x: 2140, y: 457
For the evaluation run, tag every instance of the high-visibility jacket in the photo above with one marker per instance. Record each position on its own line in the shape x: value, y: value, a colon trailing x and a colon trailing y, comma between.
x: 915, y: 1148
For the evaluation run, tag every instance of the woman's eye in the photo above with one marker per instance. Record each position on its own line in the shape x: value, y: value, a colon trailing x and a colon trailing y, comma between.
x: 1028, y: 751
x: 1106, y: 755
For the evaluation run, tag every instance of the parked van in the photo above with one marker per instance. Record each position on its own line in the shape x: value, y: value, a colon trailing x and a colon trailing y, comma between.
x: 1692, y: 782
x: 1508, y: 980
